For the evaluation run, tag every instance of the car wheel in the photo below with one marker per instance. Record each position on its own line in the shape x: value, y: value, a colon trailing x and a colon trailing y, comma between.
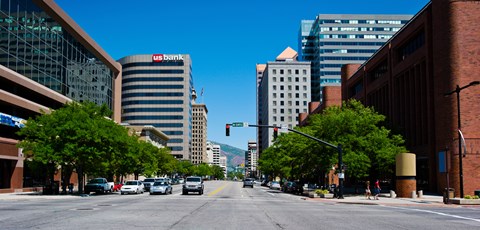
x: 171, y: 191
x: 184, y: 193
x: 122, y: 193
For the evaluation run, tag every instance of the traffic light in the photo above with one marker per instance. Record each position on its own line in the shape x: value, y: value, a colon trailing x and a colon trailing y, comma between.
x: 227, y: 130
x: 275, y: 132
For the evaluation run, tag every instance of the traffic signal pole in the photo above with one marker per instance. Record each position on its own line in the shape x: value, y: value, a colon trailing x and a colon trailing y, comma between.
x: 337, y: 147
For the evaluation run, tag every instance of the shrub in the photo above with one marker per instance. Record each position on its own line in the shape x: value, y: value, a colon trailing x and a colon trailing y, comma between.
x: 321, y: 191
x: 468, y: 197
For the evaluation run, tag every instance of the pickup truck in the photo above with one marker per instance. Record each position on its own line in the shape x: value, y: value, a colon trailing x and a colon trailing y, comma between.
x: 99, y: 185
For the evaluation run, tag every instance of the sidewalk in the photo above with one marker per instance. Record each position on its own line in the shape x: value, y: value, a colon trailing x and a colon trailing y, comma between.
x: 384, y: 199
x: 35, y: 195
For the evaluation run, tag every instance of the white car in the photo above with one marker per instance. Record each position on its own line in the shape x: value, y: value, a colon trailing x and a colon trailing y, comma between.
x: 132, y: 186
x: 161, y: 187
x: 275, y: 185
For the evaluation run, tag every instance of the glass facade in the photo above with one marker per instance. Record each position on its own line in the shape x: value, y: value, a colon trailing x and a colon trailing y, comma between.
x: 35, y: 45
x: 331, y: 41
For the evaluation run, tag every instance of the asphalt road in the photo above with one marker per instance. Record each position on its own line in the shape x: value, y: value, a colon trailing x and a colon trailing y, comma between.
x: 224, y: 205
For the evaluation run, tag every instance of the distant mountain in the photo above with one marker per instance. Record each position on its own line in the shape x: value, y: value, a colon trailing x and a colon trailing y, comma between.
x: 235, y: 156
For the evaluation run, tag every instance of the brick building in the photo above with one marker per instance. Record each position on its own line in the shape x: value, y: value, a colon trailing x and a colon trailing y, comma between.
x: 406, y: 80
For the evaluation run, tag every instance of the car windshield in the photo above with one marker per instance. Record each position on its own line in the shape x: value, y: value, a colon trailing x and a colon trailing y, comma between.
x: 248, y: 179
x: 96, y: 181
x: 149, y: 180
x: 131, y: 183
x: 159, y: 183
x: 193, y: 179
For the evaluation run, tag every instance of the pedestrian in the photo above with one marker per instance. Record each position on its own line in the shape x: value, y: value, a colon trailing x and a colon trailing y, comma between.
x: 70, y: 188
x: 368, y: 193
x: 377, y: 189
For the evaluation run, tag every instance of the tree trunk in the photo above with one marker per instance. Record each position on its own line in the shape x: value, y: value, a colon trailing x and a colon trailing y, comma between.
x: 80, y: 179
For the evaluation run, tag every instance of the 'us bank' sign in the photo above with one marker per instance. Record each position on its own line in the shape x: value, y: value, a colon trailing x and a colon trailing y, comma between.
x: 164, y: 57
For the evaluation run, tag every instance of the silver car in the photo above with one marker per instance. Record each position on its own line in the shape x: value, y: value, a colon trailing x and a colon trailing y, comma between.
x: 161, y: 187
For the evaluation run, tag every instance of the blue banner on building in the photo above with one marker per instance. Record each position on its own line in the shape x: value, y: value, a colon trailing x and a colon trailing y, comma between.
x: 10, y: 120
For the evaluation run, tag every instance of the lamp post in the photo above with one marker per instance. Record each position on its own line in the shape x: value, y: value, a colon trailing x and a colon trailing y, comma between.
x: 460, y: 156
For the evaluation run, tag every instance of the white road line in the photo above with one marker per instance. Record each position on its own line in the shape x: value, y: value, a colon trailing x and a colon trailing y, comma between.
x: 438, y: 213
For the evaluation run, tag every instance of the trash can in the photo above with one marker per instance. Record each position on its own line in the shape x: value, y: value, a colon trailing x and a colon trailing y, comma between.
x: 448, y: 194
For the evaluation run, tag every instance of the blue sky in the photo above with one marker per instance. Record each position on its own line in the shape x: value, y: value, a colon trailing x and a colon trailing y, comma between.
x: 225, y: 40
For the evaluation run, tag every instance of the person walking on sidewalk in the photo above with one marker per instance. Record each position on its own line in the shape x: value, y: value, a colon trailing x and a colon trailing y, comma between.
x: 377, y: 189
x: 368, y: 193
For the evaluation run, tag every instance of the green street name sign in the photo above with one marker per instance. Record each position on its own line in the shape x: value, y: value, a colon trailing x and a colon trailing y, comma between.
x: 239, y: 124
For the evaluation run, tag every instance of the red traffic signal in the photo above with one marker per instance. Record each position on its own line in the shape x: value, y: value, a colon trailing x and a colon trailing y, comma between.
x: 227, y: 130
x: 275, y: 132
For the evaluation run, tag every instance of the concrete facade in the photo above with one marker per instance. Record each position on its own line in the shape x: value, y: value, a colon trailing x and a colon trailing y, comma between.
x: 199, y: 137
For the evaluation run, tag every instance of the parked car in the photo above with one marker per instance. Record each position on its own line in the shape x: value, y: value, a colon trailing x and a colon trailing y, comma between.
x: 193, y: 184
x: 162, y: 187
x: 132, y: 186
x: 99, y: 185
x: 147, y: 183
x: 248, y: 182
x: 293, y: 187
x: 275, y: 185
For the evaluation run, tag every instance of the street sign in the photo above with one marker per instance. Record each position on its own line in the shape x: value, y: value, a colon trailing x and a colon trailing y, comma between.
x: 239, y: 124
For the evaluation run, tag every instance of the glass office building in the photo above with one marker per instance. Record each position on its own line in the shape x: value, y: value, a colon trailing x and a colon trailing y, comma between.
x: 46, y: 60
x: 333, y: 40
x: 157, y: 90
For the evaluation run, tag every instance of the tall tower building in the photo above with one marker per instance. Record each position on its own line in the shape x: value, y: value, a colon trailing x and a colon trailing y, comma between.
x: 283, y: 93
x: 199, y: 137
x: 157, y: 90
x: 338, y: 39
x: 251, y: 160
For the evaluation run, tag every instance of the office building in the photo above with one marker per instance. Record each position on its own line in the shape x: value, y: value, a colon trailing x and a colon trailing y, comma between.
x: 157, y: 90
x: 407, y: 79
x: 46, y: 60
x: 199, y: 134
x: 251, y: 160
x: 332, y: 40
x: 284, y: 93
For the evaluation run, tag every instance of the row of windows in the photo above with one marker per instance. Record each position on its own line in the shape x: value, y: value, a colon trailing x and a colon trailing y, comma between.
x: 153, y: 71
x: 289, y: 71
x: 150, y: 117
x: 297, y: 95
x: 322, y: 81
x: 393, y: 29
x: 282, y: 103
x: 289, y: 79
x: 356, y: 21
x: 175, y: 140
x: 327, y: 73
x: 173, y: 133
x: 152, y: 102
x: 297, y: 87
x: 282, y: 118
x: 146, y: 64
x: 176, y: 148
x: 151, y: 79
x: 130, y: 87
x: 359, y: 43
x: 290, y: 111
x: 162, y: 94
x: 344, y: 58
x: 151, y: 110
x: 344, y: 51
x: 352, y: 36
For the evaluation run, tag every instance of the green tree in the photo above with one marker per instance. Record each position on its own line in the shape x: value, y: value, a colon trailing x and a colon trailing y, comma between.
x: 79, y: 136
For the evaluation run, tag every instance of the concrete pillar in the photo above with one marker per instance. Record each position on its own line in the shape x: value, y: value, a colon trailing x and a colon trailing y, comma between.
x: 405, y: 172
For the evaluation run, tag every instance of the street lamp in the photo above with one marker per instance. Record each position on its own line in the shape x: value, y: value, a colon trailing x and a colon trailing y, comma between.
x: 460, y: 156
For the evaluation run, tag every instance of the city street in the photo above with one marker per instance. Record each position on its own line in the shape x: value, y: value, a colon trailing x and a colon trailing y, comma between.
x: 224, y: 205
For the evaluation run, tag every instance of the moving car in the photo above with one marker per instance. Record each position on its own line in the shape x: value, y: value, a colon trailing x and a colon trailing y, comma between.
x: 99, y: 185
x: 248, y: 182
x: 147, y: 183
x: 132, y: 186
x: 193, y: 184
x: 162, y: 187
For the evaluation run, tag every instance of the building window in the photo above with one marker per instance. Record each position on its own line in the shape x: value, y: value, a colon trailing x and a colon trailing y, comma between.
x: 281, y: 87
x: 296, y: 72
x: 281, y: 95
x: 274, y: 71
x: 274, y: 79
x: 304, y: 72
x: 289, y: 71
x: 297, y: 79
x: 281, y: 79
x: 281, y: 71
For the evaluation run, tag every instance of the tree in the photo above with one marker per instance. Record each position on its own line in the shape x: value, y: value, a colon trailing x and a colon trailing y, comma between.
x: 79, y: 136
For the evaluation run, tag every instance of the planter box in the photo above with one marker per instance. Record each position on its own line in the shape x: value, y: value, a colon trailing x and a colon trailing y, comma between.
x: 312, y: 195
x: 327, y: 196
x: 465, y: 201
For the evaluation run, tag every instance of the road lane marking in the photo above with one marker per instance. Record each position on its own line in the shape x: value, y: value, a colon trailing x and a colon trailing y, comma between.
x: 438, y: 213
x: 218, y: 190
